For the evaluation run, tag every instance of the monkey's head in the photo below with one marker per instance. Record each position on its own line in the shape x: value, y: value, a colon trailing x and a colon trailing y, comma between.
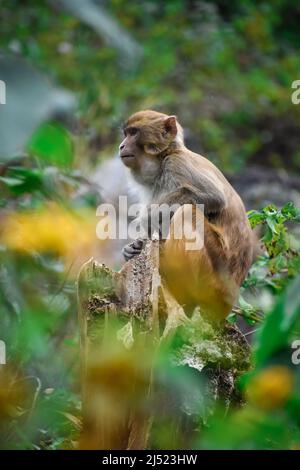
x: 148, y: 136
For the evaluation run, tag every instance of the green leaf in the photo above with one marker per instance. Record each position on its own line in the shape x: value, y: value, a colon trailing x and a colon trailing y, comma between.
x: 289, y: 210
x: 22, y: 180
x: 10, y: 181
x: 232, y: 317
x: 279, y: 323
x: 255, y: 218
x: 52, y: 143
x: 272, y: 224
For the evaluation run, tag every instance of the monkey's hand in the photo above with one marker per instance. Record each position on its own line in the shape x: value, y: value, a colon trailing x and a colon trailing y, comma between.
x: 132, y: 249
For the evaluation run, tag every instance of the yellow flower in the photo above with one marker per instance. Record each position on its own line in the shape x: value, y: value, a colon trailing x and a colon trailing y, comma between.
x: 53, y: 229
x: 271, y: 388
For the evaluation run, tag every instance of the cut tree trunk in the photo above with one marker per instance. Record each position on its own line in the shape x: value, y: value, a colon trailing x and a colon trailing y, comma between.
x: 124, y: 317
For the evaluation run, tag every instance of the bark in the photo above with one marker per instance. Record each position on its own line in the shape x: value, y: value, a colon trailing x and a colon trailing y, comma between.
x: 124, y: 318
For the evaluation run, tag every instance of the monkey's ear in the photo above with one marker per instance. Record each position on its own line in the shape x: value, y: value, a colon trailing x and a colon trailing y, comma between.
x: 170, y: 126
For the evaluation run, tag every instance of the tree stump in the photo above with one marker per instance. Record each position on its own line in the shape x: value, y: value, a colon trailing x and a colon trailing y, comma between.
x: 124, y: 318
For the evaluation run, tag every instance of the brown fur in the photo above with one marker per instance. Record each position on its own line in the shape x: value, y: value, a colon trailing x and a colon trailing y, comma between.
x: 171, y: 173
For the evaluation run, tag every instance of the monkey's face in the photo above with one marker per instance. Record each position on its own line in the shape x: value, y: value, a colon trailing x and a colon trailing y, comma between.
x: 147, y: 135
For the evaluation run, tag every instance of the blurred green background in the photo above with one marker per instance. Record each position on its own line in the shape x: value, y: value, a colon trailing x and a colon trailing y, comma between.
x: 225, y: 68
x: 74, y: 71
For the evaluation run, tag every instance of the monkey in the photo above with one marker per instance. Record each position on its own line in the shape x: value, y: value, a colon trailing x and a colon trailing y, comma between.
x: 165, y: 171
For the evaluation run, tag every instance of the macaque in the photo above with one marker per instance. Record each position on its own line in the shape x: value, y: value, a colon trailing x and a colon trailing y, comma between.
x: 166, y: 172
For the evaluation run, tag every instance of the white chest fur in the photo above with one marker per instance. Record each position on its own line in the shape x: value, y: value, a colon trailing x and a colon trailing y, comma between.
x: 139, y: 192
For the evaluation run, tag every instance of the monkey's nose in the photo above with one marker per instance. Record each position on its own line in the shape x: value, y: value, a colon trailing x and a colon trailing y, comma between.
x: 121, y: 146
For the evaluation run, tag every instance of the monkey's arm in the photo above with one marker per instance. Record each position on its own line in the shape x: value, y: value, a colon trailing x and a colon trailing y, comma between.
x: 177, y: 190
x: 157, y: 217
x: 212, y: 198
x: 184, y: 183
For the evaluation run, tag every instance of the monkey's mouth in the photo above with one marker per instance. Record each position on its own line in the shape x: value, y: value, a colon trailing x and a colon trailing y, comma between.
x: 128, y: 159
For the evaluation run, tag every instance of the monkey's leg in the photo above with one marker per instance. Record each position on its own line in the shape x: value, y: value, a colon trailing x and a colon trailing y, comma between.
x: 198, y: 277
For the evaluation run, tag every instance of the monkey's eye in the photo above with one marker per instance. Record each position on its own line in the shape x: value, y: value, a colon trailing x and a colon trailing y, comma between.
x: 131, y: 131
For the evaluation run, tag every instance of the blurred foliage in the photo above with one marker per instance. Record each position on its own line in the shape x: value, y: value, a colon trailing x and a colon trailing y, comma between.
x: 226, y: 69
x: 277, y: 263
